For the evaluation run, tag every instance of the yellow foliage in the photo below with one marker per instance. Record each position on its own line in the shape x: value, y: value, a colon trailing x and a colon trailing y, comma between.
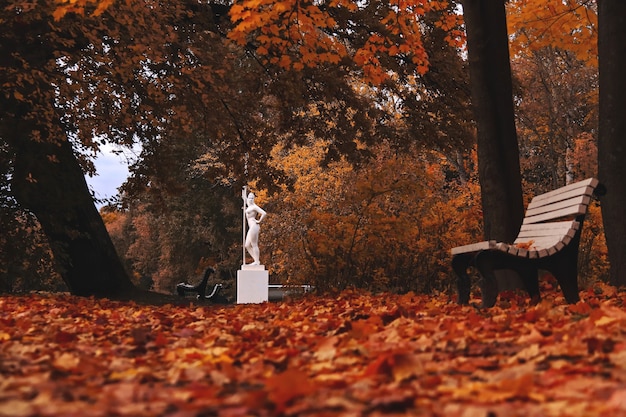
x: 570, y: 25
x: 384, y: 226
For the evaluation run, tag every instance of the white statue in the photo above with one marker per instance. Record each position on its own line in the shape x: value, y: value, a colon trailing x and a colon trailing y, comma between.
x: 254, y: 215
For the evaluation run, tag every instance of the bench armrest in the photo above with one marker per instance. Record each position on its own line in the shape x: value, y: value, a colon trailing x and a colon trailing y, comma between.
x: 474, y: 247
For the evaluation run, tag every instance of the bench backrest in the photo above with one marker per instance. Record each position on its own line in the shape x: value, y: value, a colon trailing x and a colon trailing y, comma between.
x: 568, y: 201
x: 552, y: 221
x: 544, y: 230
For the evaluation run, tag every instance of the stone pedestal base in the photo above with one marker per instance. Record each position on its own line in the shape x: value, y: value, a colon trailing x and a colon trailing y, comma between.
x: 252, y: 284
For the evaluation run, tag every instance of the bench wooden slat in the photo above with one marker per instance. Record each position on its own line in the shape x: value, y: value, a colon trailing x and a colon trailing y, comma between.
x: 543, y: 200
x: 546, y: 235
x: 529, y: 235
x: 540, y: 243
x: 521, y: 252
x: 559, y: 225
x: 546, y: 242
x: 542, y: 253
x: 474, y: 247
x: 559, y: 205
x: 589, y: 182
x: 539, y: 248
x: 512, y: 249
x: 569, y: 211
x: 504, y: 247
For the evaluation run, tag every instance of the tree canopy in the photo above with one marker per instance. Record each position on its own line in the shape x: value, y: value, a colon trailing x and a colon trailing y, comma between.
x: 221, y: 95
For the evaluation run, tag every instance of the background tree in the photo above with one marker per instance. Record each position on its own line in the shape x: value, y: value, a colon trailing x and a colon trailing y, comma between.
x: 571, y: 32
x: 498, y: 152
x: 611, y: 150
x: 324, y: 101
x: 379, y: 226
x: 554, y: 58
x: 556, y: 112
x: 47, y: 179
x: 79, y: 82
x: 374, y: 83
x: 25, y: 257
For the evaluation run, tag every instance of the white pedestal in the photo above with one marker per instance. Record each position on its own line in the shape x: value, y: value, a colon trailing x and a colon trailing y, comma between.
x: 252, y: 284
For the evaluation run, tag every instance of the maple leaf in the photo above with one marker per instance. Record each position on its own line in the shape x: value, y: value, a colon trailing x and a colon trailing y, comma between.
x: 283, y: 388
x: 294, y: 357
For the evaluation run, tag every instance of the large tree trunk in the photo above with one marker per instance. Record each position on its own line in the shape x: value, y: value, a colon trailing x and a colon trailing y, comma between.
x: 492, y: 100
x: 47, y: 178
x: 612, y: 131
x: 48, y: 181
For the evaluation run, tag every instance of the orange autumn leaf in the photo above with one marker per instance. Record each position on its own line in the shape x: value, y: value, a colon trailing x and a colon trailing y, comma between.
x: 524, y: 245
x: 289, y: 385
x: 412, y: 353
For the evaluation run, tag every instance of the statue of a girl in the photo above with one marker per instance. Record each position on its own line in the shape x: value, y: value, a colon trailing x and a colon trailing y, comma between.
x: 254, y: 215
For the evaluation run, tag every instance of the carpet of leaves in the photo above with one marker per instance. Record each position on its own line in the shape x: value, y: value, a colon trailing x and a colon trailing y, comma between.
x: 352, y: 354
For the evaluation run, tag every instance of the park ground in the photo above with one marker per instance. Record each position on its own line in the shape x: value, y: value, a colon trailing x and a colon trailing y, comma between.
x: 351, y: 354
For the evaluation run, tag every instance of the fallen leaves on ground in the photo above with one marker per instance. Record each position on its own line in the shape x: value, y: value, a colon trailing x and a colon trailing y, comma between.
x: 354, y: 354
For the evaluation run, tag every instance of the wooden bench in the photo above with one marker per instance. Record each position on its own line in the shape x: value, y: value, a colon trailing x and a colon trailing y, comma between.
x: 548, y: 240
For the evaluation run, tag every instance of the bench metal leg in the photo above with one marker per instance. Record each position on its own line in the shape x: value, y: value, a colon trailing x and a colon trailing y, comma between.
x: 564, y: 267
x: 488, y: 262
x: 460, y: 264
x: 529, y: 274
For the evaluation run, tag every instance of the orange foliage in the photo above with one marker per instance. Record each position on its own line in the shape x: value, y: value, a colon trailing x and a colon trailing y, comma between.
x: 593, y: 263
x: 584, y: 157
x: 95, y: 7
x: 593, y: 258
x: 388, y: 225
x: 569, y: 25
x: 554, y: 59
x: 293, y: 34
x: 353, y: 354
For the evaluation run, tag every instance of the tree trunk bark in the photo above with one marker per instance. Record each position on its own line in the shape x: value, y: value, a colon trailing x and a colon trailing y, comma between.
x: 492, y: 100
x: 611, y: 141
x: 47, y: 178
x: 48, y: 181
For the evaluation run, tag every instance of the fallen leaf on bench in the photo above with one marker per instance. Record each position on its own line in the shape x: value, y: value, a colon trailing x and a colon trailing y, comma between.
x: 524, y: 245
